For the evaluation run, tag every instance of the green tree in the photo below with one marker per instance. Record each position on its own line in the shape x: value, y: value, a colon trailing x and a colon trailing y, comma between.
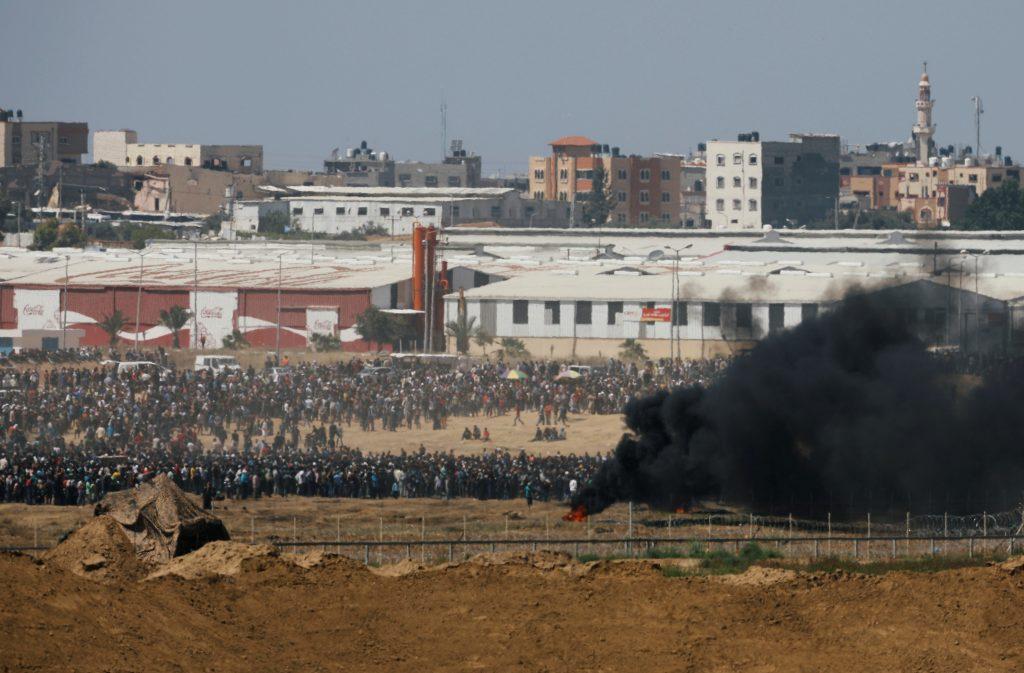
x: 174, y: 319
x: 633, y: 350
x: 463, y: 330
x: 6, y: 206
x: 103, y: 163
x: 112, y: 324
x: 512, y: 349
x: 45, y: 234
x: 235, y: 341
x: 325, y: 342
x: 275, y: 222
x: 69, y: 235
x: 998, y: 209
x: 376, y: 326
x: 855, y: 218
x: 140, y: 234
x: 483, y: 339
x: 600, y: 202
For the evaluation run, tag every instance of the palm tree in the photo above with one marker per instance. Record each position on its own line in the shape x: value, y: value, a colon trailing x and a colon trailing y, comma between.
x: 174, y: 319
x: 631, y: 349
x: 235, y: 340
x: 464, y: 330
x: 513, y: 349
x: 483, y: 339
x: 112, y: 324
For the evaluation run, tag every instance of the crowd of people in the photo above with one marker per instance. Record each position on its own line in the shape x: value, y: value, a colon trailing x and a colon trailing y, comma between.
x: 70, y: 434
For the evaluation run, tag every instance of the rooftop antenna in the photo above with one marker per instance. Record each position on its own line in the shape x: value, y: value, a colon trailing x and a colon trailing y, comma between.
x: 444, y: 128
x: 978, y: 111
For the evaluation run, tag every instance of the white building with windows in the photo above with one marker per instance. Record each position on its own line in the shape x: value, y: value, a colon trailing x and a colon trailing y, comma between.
x: 751, y: 182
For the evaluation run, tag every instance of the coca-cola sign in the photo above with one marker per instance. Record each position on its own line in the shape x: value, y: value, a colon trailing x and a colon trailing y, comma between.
x: 211, y: 313
x: 35, y: 309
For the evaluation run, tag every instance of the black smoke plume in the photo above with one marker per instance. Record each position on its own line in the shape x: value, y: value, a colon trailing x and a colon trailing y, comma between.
x: 847, y: 413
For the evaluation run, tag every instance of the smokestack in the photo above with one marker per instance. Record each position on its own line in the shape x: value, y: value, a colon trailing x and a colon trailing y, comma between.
x: 418, y: 266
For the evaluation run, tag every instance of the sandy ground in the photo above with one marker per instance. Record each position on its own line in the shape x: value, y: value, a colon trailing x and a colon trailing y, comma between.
x: 584, y: 434
x: 251, y: 610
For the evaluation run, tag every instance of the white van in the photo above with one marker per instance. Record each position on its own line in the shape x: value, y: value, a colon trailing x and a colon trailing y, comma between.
x: 216, y: 363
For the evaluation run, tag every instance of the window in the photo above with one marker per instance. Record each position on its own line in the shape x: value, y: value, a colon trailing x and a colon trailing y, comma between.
x: 318, y: 211
x: 361, y: 210
x: 622, y: 197
x: 752, y: 205
x: 778, y: 161
x: 970, y: 178
x: 156, y: 161
x: 712, y: 314
x: 296, y: 211
x: 614, y: 312
x: 645, y: 196
x: 720, y: 182
x: 752, y: 160
x: 698, y: 186
x: 538, y: 174
x: 563, y: 196
x: 138, y: 160
x: 404, y: 179
x: 406, y: 212
x: 720, y: 160
x: 454, y: 181
x: 644, y: 217
x: 914, y: 177
x: 584, y: 175
x: 737, y: 182
x: 735, y: 204
x: 776, y: 317
x: 455, y: 211
x: 623, y: 174
x: 997, y: 178
x: 520, y: 312
x: 720, y: 205
x: 810, y: 312
x: 679, y: 313
x: 156, y: 204
x: 666, y: 197
x: 583, y: 312
x: 430, y: 181
x: 665, y: 217
x: 428, y: 212
x: 552, y: 312
x: 744, y: 316
x: 188, y: 161
x: 495, y: 212
x: 752, y: 182
x: 385, y: 212
x: 737, y: 159
x: 563, y: 174
x: 246, y: 163
x: 63, y: 140
x: 645, y: 174
x: 666, y: 175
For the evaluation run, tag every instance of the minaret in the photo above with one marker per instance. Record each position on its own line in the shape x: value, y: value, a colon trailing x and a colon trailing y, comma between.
x: 923, y: 129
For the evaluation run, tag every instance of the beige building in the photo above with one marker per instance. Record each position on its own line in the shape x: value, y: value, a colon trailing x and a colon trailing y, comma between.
x: 123, y: 149
x: 25, y: 143
x: 938, y: 193
x: 646, y: 190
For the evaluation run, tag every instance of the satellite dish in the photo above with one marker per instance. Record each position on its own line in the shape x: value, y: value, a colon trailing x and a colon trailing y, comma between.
x: 655, y: 255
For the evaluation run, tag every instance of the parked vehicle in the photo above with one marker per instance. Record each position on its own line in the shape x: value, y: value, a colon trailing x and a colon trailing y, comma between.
x: 217, y: 363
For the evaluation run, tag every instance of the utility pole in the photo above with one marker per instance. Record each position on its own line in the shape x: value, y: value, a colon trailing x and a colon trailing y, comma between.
x: 138, y: 298
x: 277, y: 348
x: 195, y: 294
x: 64, y: 315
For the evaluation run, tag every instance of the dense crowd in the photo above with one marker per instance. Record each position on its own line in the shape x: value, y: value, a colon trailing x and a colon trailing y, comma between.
x: 72, y: 434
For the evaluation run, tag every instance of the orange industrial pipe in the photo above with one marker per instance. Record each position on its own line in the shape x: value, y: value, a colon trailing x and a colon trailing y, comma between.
x: 418, y: 267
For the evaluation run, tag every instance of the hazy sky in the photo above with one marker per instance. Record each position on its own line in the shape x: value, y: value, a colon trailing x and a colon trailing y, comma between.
x: 304, y: 77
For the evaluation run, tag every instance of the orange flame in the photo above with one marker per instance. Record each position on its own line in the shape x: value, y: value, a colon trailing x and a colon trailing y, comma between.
x: 578, y: 513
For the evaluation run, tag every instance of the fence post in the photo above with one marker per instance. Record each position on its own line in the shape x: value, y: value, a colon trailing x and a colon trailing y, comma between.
x: 492, y: 548
x: 790, y: 525
x: 408, y: 551
x: 547, y: 528
x: 945, y: 524
x: 750, y: 528
x: 506, y: 526
x: 252, y: 530
x: 451, y: 552
x: 337, y: 536
x: 869, y: 528
x: 856, y: 548
x: 576, y: 550
x: 533, y: 546
x: 984, y: 524
x: 815, y: 547
x: 423, y: 537
x: 828, y: 544
x: 894, y: 547
x: 709, y: 528
x: 970, y: 547
x: 366, y: 554
x: 465, y: 535
x: 295, y: 530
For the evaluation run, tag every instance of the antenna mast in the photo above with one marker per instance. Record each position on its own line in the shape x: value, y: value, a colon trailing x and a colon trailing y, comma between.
x: 444, y: 128
x: 978, y: 111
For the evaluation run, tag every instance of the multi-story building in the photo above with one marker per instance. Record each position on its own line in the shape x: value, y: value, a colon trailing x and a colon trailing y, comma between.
x: 365, y: 167
x: 25, y: 143
x: 645, y: 190
x: 123, y: 149
x: 752, y: 182
x: 693, y: 191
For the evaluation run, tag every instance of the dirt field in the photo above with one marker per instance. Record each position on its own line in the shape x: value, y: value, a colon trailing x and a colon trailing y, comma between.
x: 248, y: 610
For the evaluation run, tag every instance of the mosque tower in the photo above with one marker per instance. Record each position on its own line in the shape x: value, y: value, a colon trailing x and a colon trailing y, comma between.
x: 924, y: 129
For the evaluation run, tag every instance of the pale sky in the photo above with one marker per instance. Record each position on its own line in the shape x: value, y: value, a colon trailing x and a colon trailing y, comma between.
x: 301, y: 78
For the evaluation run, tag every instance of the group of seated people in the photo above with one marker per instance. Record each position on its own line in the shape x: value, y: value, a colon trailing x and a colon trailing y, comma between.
x: 475, y: 433
x: 549, y: 434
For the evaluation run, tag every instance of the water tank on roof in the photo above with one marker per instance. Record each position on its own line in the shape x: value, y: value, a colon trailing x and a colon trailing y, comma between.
x: 1007, y: 161
x: 999, y: 150
x: 383, y: 156
x: 702, y: 147
x: 947, y: 162
x: 604, y: 149
x: 615, y: 151
x: 373, y: 156
x: 933, y: 162
x: 350, y: 152
x: 362, y: 145
x: 969, y: 161
x: 755, y: 136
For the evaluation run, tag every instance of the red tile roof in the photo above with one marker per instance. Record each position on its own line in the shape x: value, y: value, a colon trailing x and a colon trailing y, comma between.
x: 573, y: 141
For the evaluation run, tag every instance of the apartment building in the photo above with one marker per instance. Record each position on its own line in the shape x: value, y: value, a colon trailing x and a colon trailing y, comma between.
x: 25, y: 143
x: 123, y: 149
x: 751, y: 182
x: 365, y: 167
x: 645, y: 190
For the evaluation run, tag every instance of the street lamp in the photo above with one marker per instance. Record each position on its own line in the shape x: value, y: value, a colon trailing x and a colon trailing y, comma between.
x: 64, y: 315
x: 277, y: 347
x: 138, y: 296
x: 675, y: 296
x: 977, y: 317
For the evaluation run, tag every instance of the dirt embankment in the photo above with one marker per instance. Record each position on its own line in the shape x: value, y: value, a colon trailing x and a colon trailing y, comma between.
x: 252, y: 609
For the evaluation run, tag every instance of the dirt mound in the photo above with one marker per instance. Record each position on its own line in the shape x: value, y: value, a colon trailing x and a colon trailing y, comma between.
x: 759, y: 576
x: 541, y: 560
x: 218, y: 558
x: 161, y: 521
x: 99, y: 550
x: 316, y: 560
x: 1013, y: 565
x: 400, y: 569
